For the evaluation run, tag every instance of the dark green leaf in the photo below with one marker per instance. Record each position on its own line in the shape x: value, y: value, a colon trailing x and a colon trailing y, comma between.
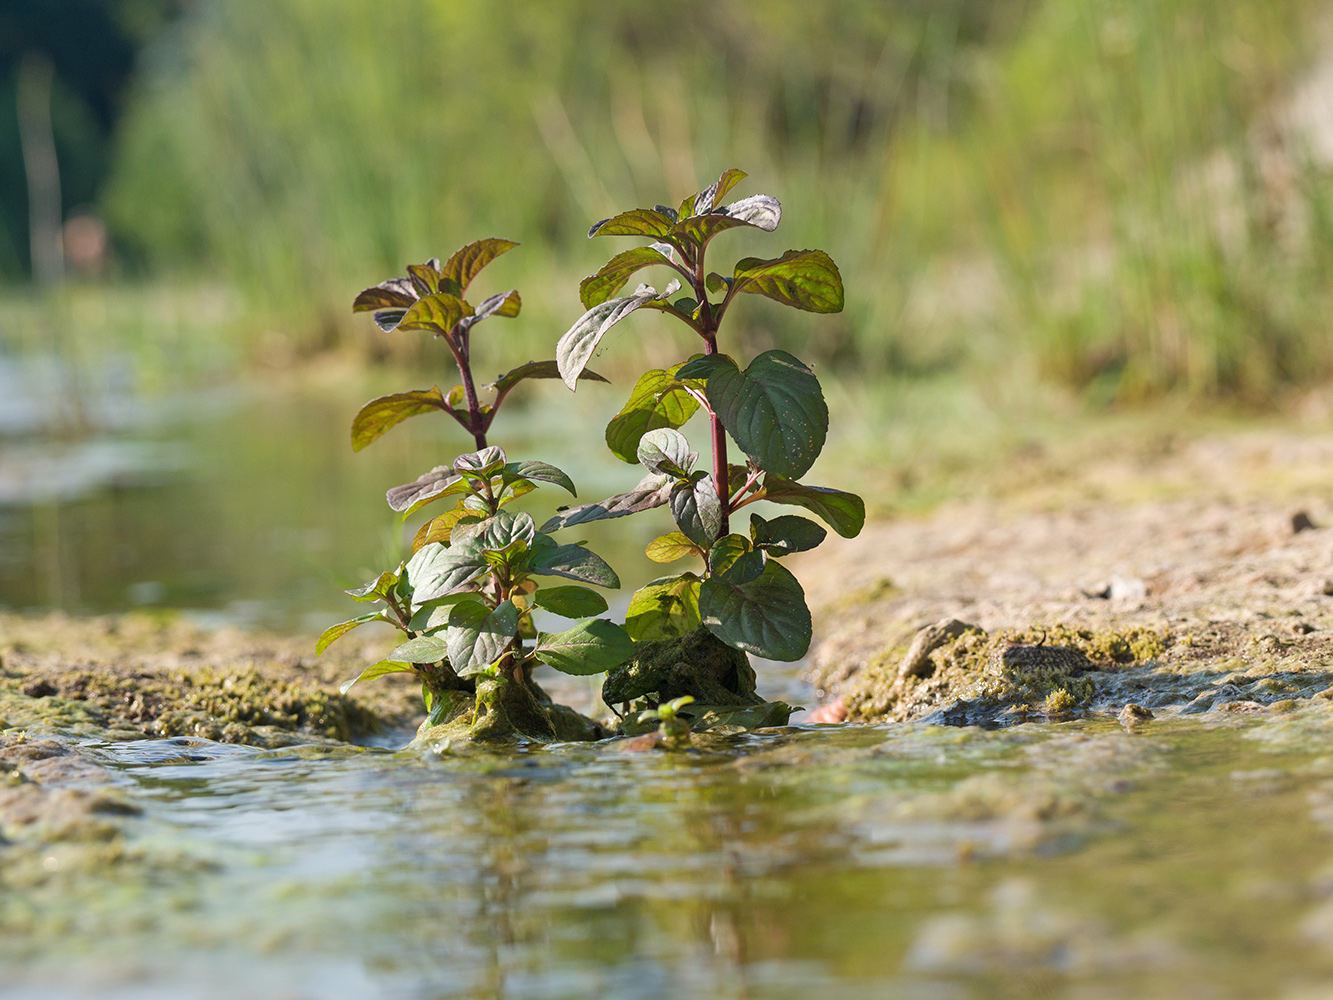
x: 467, y: 262
x: 503, y: 304
x: 422, y: 649
x: 384, y: 412
x: 611, y: 278
x: 664, y: 609
x: 335, y: 632
x: 574, y: 562
x: 653, y: 491
x: 697, y: 509
x: 540, y: 471
x: 440, y: 481
x: 636, y: 222
x: 666, y: 450
x: 670, y: 547
x: 774, y: 409
x: 434, y: 615
x: 535, y: 369
x: 396, y: 293
x: 436, y: 314
x: 437, y: 570
x: 659, y: 399
x: 786, y: 534
x: 733, y: 560
x: 376, y: 670
x: 571, y: 602
x: 767, y: 616
x: 591, y: 647
x: 576, y: 347
x: 806, y: 279
x: 702, y: 365
x: 377, y: 589
x: 478, y: 636
x: 845, y: 513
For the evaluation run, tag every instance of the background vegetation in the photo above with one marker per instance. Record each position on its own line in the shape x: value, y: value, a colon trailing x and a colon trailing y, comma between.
x: 1122, y: 198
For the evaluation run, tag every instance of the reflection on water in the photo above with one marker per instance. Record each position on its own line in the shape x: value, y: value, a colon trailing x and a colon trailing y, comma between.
x: 1075, y: 860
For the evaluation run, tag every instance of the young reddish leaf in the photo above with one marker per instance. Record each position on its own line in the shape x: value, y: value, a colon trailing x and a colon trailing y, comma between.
x: 384, y: 412
x: 396, y: 293
x: 436, y: 314
x: 652, y: 222
x: 467, y: 262
x: 504, y: 304
x: 806, y: 279
x: 706, y: 200
x: 757, y: 212
x: 425, y: 277
x: 611, y: 278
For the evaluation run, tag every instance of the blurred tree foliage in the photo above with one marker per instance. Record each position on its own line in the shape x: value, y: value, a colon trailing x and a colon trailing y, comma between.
x: 92, y: 44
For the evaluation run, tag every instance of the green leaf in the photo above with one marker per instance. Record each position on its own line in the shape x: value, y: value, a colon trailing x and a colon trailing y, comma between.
x: 437, y: 570
x: 376, y: 670
x: 499, y: 533
x: 467, y: 262
x: 576, y: 347
x: 702, y: 365
x: 574, y: 562
x: 697, y: 509
x: 591, y: 647
x: 384, y: 412
x: 670, y: 547
x: 664, y: 609
x: 637, y: 222
x: 733, y: 560
x: 613, y: 275
x: 653, y: 491
x: 377, y: 589
x: 767, y: 616
x: 436, y: 314
x: 666, y: 451
x: 396, y: 293
x: 540, y: 471
x: 659, y: 399
x: 806, y: 279
x: 571, y: 602
x: 774, y: 410
x: 504, y: 304
x: 707, y: 199
x: 758, y: 212
x: 478, y: 635
x: 786, y: 534
x: 486, y: 462
x: 440, y: 481
x: 845, y: 513
x: 535, y: 369
x: 434, y: 614
x: 425, y: 277
x: 335, y: 632
x: 422, y: 649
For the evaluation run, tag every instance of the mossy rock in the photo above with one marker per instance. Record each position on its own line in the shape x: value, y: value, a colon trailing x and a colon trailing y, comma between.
x: 502, y: 711
x: 698, y: 664
x: 717, y: 718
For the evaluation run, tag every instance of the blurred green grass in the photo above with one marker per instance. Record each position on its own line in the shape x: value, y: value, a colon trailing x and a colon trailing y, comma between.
x: 1106, y: 197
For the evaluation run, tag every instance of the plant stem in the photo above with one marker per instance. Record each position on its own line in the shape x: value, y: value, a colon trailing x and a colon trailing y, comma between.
x: 476, y: 422
x: 709, y: 332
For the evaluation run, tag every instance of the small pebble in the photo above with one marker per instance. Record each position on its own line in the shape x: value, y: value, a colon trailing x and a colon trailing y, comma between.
x: 1134, y: 713
x: 1300, y: 521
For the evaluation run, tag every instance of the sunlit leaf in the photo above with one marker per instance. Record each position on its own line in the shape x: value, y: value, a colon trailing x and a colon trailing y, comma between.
x: 437, y: 570
x: 504, y: 304
x: 425, y: 277
x: 659, y: 399
x: 757, y: 212
x: 396, y: 293
x: 664, y: 609
x: 376, y: 670
x: 377, y: 589
x: 580, y: 341
x: 845, y: 513
x: 434, y: 614
x: 733, y: 560
x: 467, y: 262
x: 335, y: 632
x: 697, y: 509
x: 775, y: 410
x: 666, y: 450
x: 767, y: 616
x: 670, y: 547
x: 439, y: 528
x: 590, y: 647
x: 440, y: 481
x: 571, y: 602
x: 478, y: 636
x: 422, y: 649
x: 540, y: 471
x: 785, y: 534
x: 613, y: 275
x: 652, y: 222
x: 384, y: 412
x: 653, y: 491
x: 707, y: 199
x: 535, y: 369
x: 436, y: 314
x: 806, y: 279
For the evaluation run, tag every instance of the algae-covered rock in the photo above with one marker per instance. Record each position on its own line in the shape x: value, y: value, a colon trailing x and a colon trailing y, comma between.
x: 705, y: 718
x: 698, y: 664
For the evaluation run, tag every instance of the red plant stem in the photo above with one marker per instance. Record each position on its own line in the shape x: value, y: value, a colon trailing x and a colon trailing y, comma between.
x: 476, y: 422
x: 709, y: 333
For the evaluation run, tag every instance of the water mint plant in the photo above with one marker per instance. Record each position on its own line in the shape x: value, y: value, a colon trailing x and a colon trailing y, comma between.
x: 465, y: 596
x: 772, y: 409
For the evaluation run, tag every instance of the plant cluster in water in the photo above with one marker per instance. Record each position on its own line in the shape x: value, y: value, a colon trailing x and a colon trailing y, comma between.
x: 465, y: 596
